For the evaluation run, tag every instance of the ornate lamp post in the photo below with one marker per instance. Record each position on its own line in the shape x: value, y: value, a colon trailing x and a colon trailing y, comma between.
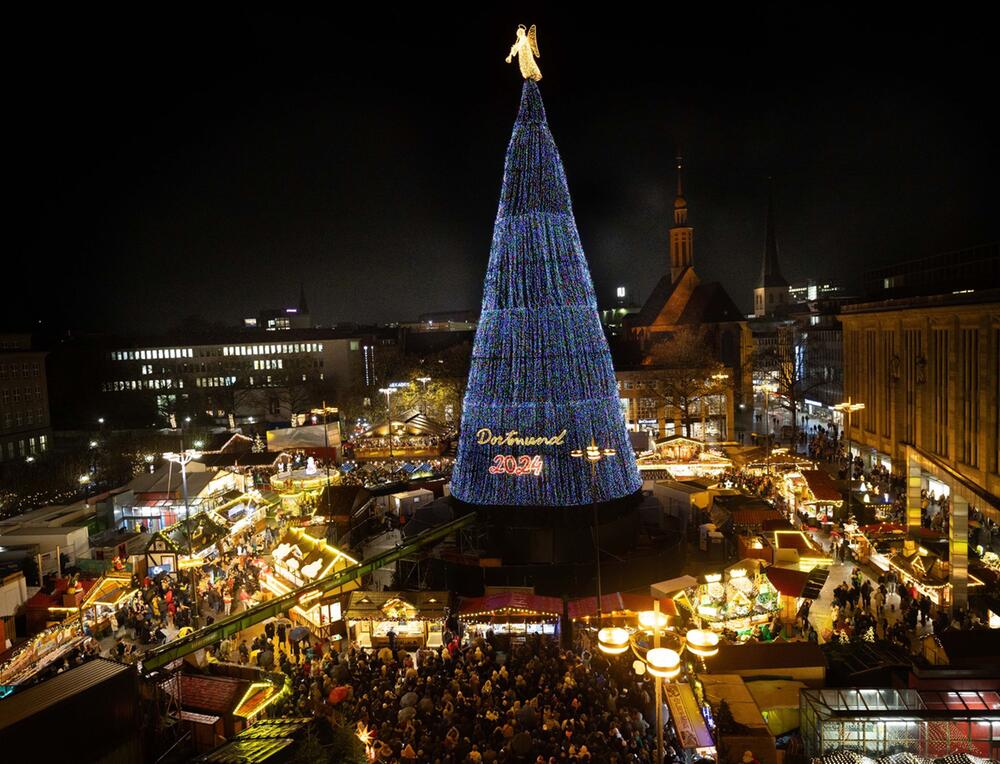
x: 423, y: 392
x: 660, y: 662
x: 182, y: 459
x: 594, y: 454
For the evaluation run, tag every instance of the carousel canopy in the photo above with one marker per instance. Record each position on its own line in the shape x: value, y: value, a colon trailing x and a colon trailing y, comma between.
x: 410, y: 423
x: 618, y: 602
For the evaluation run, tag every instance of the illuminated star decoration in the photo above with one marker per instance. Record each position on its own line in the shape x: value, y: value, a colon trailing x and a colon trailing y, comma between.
x: 540, y: 361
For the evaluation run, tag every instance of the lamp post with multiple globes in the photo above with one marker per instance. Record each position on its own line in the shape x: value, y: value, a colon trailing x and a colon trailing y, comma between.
x: 661, y: 662
x: 594, y: 454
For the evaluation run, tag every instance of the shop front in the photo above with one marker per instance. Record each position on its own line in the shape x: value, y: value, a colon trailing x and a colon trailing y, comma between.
x: 415, y: 619
x: 171, y: 549
x: 511, y: 615
x: 300, y: 559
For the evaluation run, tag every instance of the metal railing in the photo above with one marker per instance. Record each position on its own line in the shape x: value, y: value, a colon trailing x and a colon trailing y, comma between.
x: 209, y: 635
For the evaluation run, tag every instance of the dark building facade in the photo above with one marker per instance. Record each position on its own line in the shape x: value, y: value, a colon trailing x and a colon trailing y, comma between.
x: 25, y: 429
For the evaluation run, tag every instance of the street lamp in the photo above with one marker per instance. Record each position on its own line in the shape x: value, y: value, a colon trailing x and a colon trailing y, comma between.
x: 183, y: 458
x: 849, y: 407
x: 594, y: 454
x: 387, y: 392
x: 768, y: 388
x: 659, y: 662
x: 423, y: 393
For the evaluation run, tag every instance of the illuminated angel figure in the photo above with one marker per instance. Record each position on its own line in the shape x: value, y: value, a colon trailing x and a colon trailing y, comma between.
x: 526, y: 50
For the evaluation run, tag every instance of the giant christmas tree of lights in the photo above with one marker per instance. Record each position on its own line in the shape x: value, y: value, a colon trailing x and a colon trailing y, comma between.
x: 541, y: 382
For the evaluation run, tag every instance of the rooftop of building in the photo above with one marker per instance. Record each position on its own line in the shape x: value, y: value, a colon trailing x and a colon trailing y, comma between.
x: 924, y: 302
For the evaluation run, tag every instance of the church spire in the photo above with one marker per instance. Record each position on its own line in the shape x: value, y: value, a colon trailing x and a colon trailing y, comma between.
x: 681, y: 234
x: 771, y: 293
x: 770, y: 271
x: 680, y: 203
x: 303, y: 307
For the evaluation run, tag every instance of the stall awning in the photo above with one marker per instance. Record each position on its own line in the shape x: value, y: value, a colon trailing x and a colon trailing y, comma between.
x: 511, y: 603
x: 687, y: 718
x: 613, y: 603
x: 787, y: 581
x: 816, y: 582
x: 754, y: 518
x: 821, y: 485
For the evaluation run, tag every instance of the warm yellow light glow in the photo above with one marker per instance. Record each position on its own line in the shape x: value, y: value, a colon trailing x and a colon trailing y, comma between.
x: 713, y: 578
x: 738, y: 573
x: 650, y: 619
x: 703, y: 642
x: 639, y: 667
x: 663, y: 662
x: 612, y: 641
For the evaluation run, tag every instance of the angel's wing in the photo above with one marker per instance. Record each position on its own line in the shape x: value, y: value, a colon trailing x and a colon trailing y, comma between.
x: 533, y: 41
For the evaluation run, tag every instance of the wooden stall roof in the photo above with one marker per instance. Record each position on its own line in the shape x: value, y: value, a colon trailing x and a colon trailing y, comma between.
x: 821, y: 485
x: 430, y: 605
x: 789, y: 582
x: 511, y: 603
x: 617, y: 602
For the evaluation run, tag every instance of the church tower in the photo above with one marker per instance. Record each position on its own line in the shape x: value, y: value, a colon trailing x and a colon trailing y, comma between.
x: 681, y: 234
x: 771, y: 294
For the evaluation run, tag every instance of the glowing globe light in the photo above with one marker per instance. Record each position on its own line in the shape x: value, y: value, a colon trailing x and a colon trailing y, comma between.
x: 612, y: 641
x: 638, y: 667
x: 650, y: 619
x: 663, y: 662
x: 702, y: 642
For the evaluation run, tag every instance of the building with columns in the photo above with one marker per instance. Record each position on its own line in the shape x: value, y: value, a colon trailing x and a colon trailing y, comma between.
x: 927, y: 370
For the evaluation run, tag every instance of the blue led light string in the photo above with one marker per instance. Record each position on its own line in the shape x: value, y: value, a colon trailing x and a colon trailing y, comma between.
x: 540, y: 361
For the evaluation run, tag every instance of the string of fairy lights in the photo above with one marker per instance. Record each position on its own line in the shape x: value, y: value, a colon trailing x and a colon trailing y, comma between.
x: 540, y: 361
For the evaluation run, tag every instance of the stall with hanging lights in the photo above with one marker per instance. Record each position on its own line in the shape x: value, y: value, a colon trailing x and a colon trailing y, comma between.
x: 514, y: 614
x: 813, y: 495
x: 415, y: 618
x: 171, y: 549
x: 299, y: 559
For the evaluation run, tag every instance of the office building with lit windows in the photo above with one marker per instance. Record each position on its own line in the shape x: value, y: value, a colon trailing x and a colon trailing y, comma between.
x: 25, y: 430
x: 248, y: 375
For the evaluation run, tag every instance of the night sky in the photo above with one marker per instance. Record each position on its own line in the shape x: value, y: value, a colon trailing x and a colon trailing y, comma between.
x: 168, y: 166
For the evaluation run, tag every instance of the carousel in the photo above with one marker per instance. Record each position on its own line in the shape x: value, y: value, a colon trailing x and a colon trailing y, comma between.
x: 413, y: 436
x: 738, y: 599
x: 300, y: 488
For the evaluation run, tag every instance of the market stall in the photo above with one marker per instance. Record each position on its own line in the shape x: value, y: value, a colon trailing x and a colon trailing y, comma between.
x: 513, y: 614
x: 814, y: 496
x: 299, y: 559
x: 927, y: 572
x: 684, y: 457
x: 415, y: 618
x: 171, y: 549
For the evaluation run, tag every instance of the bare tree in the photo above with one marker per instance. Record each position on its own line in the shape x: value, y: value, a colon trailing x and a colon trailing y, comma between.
x: 689, y: 372
x: 785, y: 361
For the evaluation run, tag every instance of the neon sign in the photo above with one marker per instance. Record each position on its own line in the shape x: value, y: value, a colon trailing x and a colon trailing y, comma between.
x: 485, y: 437
x: 516, y: 465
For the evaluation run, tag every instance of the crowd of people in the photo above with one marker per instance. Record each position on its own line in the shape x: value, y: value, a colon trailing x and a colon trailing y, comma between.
x: 476, y: 703
x: 891, y: 611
